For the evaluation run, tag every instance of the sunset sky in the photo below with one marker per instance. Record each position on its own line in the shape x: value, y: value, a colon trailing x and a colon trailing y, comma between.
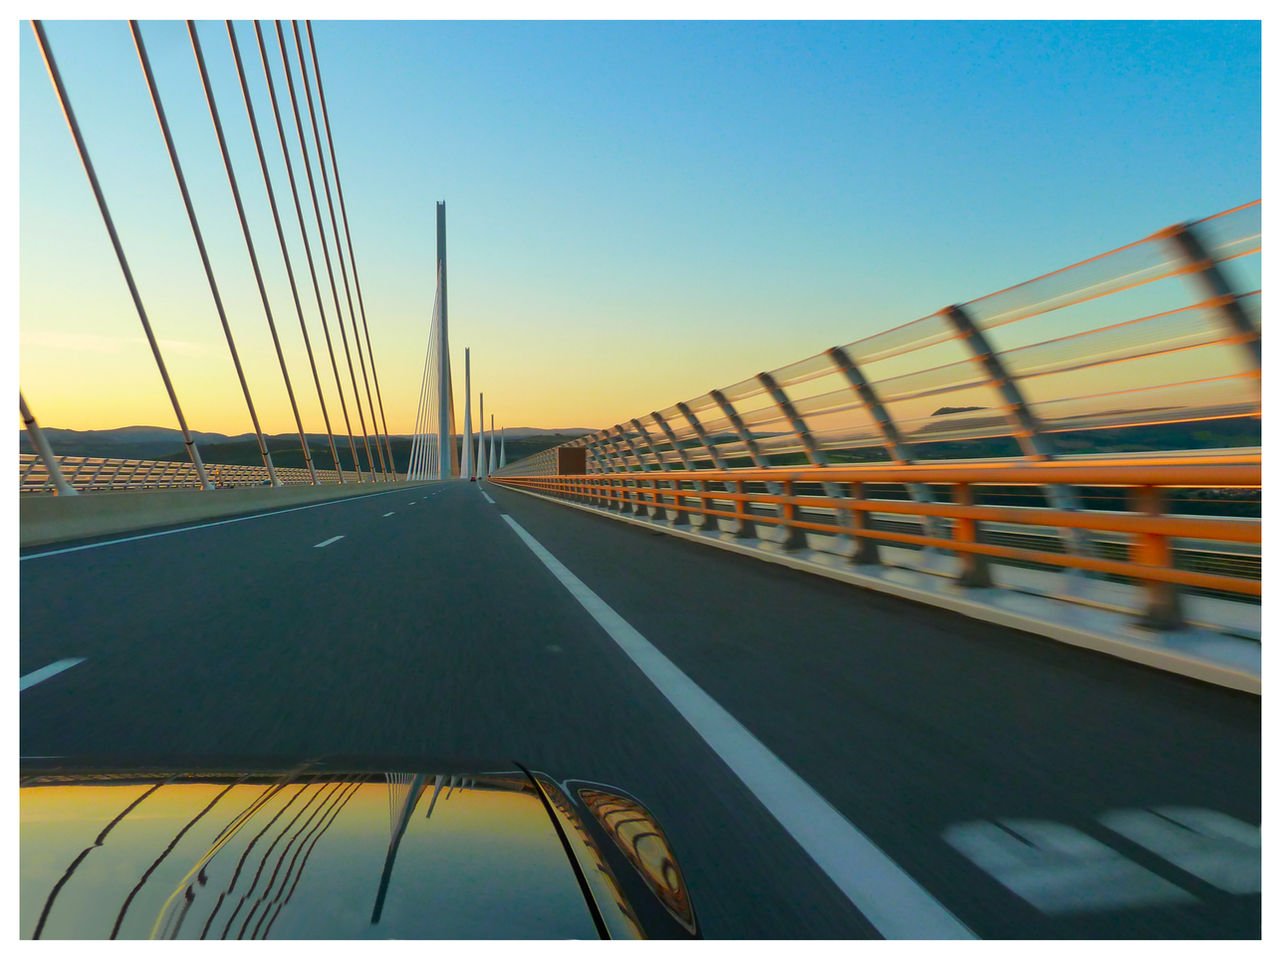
x: 638, y: 212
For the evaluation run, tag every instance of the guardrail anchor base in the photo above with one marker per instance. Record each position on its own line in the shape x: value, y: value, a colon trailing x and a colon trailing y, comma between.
x: 791, y: 540
x: 975, y: 571
x: 1164, y: 609
x: 865, y: 553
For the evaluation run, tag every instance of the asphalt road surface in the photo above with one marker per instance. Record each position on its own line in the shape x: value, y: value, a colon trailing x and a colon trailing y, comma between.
x: 984, y: 781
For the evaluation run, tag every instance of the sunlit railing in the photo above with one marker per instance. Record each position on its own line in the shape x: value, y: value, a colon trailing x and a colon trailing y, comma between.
x: 836, y: 509
x: 88, y: 474
x: 961, y: 432
x: 1112, y: 342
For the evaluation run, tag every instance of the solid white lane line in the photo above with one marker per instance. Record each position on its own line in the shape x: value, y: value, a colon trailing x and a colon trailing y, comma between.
x: 44, y: 673
x: 897, y: 906
x: 389, y: 513
x: 325, y: 543
x: 201, y: 526
x: 487, y: 497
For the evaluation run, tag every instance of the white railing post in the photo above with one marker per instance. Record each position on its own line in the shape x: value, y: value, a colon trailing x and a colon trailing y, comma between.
x: 32, y: 463
x: 651, y: 510
x: 80, y: 464
x: 894, y: 445
x: 1025, y: 425
x: 93, y: 477
x: 864, y: 549
x: 791, y: 539
x: 709, y: 522
x: 611, y: 449
x: 1208, y: 274
x: 681, y: 517
x: 744, y: 527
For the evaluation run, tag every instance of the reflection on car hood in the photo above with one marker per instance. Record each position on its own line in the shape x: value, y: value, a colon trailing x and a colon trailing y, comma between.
x: 333, y: 853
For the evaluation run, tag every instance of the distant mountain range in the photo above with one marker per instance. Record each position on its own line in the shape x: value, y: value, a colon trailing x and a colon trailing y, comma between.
x: 165, y: 443
x: 145, y: 443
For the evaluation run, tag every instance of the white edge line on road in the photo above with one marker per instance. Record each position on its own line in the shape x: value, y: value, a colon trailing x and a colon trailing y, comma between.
x: 895, y: 904
x: 487, y: 497
x: 44, y: 673
x: 201, y: 526
x: 325, y: 543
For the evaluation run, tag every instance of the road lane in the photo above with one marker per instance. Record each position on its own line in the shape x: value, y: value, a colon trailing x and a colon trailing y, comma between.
x: 433, y: 634
x: 911, y: 720
x: 436, y: 633
x: 892, y: 901
x: 164, y: 530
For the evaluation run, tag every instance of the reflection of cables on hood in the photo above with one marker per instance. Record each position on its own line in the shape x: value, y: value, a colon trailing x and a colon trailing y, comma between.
x: 235, y: 876
x: 389, y: 861
x: 124, y: 908
x: 267, y: 854
x: 222, y: 839
x: 300, y: 837
x: 334, y: 816
x: 57, y: 887
x: 335, y: 803
x: 279, y: 860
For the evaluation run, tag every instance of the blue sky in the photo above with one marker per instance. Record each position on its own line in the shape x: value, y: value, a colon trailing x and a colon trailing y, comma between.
x: 638, y: 211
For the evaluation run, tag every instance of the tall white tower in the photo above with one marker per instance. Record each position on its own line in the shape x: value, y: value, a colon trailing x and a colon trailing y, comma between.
x: 445, y: 428
x: 468, y: 467
x: 482, y: 468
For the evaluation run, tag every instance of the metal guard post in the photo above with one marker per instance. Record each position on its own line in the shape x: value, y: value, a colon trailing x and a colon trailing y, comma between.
x: 744, y: 527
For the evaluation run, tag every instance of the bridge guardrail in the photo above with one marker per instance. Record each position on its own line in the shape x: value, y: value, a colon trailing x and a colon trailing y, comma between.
x: 1109, y: 343
x: 87, y: 474
x: 836, y: 502
x: 1014, y: 380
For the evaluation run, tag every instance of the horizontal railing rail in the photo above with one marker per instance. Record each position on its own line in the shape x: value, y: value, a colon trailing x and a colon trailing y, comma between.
x: 1054, y: 389
x: 88, y: 474
x: 1158, y: 333
x: 850, y: 505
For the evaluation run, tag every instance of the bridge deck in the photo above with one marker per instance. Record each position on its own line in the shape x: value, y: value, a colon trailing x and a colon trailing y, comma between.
x: 921, y: 727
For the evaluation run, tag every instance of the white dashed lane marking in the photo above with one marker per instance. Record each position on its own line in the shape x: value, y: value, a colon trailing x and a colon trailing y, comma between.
x: 389, y: 513
x: 1217, y: 848
x: 487, y: 497
x: 200, y: 526
x: 44, y: 673
x: 1059, y: 869
x: 325, y: 543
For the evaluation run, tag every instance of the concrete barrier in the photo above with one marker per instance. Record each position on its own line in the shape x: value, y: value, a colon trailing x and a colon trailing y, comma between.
x: 47, y: 519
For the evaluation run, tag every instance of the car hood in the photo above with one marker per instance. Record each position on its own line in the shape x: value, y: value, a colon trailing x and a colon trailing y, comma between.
x: 339, y: 852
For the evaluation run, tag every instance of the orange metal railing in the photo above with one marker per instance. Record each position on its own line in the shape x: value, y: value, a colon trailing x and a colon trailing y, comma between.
x: 797, y: 501
x: 1152, y: 345
x: 1140, y: 338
